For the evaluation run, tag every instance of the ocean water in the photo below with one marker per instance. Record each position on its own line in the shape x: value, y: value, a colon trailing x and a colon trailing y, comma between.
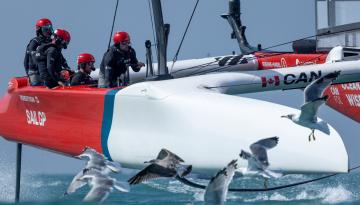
x: 48, y: 189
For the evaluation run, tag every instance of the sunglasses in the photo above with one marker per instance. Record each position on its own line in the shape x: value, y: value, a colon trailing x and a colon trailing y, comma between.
x: 125, y: 43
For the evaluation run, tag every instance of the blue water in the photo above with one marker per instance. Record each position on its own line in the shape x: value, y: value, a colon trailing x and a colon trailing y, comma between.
x: 48, y: 189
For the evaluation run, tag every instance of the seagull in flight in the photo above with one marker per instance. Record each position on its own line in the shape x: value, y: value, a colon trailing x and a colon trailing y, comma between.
x: 101, y: 185
x: 96, y: 161
x: 258, y: 161
x: 313, y: 97
x: 167, y: 164
x: 217, y: 189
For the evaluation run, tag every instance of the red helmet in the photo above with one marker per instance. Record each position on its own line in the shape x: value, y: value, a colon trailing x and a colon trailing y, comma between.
x: 85, y: 58
x: 63, y: 34
x: 120, y: 37
x: 44, y: 27
x: 43, y: 22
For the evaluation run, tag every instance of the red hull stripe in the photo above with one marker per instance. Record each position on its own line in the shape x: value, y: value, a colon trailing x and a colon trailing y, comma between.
x: 107, y: 120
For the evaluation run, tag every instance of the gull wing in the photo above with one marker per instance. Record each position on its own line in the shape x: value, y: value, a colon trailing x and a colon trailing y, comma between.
x: 151, y: 172
x: 258, y: 149
x: 113, y: 166
x: 268, y: 143
x: 316, y: 89
x: 76, y: 183
x: 97, y: 194
x: 91, y: 154
x: 164, y: 153
x: 309, y: 110
x: 122, y: 186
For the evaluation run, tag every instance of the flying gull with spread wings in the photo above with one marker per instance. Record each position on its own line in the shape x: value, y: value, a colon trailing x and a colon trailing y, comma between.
x: 313, y: 97
x: 167, y: 164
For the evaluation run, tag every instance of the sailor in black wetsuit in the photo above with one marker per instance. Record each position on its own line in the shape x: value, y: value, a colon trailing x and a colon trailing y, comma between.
x: 43, y: 35
x: 116, y: 61
x: 52, y: 64
x: 85, y: 63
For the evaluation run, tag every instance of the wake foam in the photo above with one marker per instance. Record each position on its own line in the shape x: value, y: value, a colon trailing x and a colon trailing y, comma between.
x: 336, y: 195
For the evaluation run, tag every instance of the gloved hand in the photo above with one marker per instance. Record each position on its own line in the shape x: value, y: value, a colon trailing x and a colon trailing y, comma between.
x: 65, y: 75
x: 140, y: 64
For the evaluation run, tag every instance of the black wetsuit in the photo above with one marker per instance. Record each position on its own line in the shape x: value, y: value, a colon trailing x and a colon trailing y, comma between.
x: 30, y: 64
x: 50, y: 62
x: 114, y: 64
x: 81, y: 78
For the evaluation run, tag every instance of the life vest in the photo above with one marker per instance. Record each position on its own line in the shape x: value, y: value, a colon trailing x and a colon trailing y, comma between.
x: 40, y: 54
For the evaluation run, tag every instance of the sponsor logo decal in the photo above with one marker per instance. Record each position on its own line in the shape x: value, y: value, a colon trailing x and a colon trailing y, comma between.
x: 275, y: 80
x: 231, y: 60
x: 271, y: 64
x: 353, y: 99
x: 37, y: 118
x: 290, y: 78
x: 303, y: 77
x: 336, y: 94
x: 351, y: 86
x: 283, y: 63
x: 31, y: 99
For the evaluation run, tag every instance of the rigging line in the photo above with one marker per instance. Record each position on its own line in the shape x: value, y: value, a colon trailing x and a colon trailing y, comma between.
x: 282, y: 44
x: 210, y: 71
x: 316, y: 35
x: 112, y: 27
x: 196, y: 66
x: 183, y: 37
x: 200, y: 186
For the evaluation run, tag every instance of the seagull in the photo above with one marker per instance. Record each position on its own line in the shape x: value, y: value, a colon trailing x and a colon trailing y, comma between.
x: 258, y: 162
x: 95, y: 161
x: 167, y: 164
x: 101, y: 186
x: 217, y: 189
x: 313, y: 97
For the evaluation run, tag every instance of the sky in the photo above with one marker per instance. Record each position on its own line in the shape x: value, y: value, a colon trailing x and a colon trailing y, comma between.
x: 89, y: 21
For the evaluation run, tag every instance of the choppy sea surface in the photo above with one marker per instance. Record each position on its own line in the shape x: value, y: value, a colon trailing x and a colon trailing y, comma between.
x: 48, y: 189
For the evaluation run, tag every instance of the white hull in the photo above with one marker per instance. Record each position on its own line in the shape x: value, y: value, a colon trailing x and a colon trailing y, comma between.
x: 209, y: 129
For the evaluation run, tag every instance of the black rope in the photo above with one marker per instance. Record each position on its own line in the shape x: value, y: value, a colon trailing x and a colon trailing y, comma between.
x: 112, y: 27
x: 183, y: 37
x: 312, y: 36
x: 200, y: 186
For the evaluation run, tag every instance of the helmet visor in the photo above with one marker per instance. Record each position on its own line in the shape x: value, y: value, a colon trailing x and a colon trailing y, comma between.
x: 48, y: 29
x: 125, y: 43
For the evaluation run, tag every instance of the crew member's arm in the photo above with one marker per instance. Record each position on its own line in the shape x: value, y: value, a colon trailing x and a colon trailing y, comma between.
x: 26, y: 62
x: 51, y: 66
x: 30, y: 60
x: 109, y: 64
x: 135, y: 64
x: 64, y: 63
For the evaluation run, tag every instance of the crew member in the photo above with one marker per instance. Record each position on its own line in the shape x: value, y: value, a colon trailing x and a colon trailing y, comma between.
x: 54, y: 71
x: 116, y: 61
x: 85, y: 63
x: 44, y: 31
